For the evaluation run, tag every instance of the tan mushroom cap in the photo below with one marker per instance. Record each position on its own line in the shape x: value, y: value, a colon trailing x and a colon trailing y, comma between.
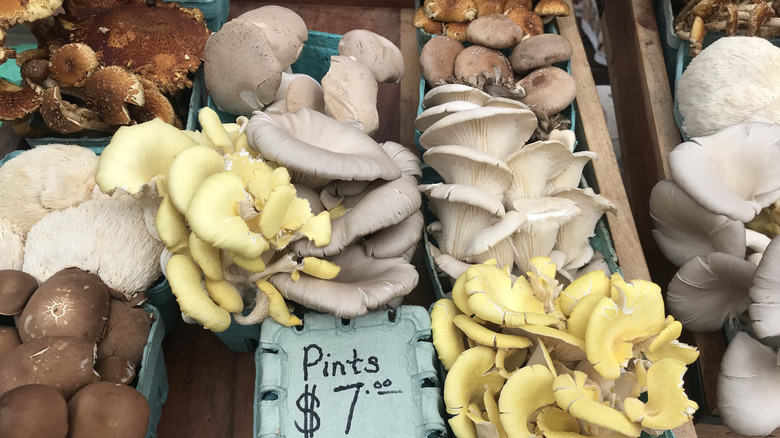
x: 518, y: 4
x: 115, y: 369
x: 540, y: 51
x: 487, y: 7
x: 557, y: 8
x: 17, y: 101
x: 108, y: 90
x: 33, y: 411
x: 549, y: 90
x: 450, y: 10
x: 9, y: 339
x: 16, y: 288
x: 456, y: 30
x: 156, y: 105
x: 528, y: 20
x: 72, y: 64
x: 304, y: 92
x: 286, y: 31
x: 437, y: 58
x: 66, y: 118
x: 15, y: 12
x: 35, y: 69
x: 476, y: 59
x: 495, y: 31
x: 377, y: 52
x: 127, y: 332
x: 108, y: 409
x: 350, y: 92
x: 421, y: 21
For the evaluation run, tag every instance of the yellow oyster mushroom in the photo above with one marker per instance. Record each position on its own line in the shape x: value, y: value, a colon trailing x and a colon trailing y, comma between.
x: 493, y: 412
x: 484, y: 336
x: 636, y: 314
x: 213, y: 215
x: 592, y: 283
x: 185, y: 280
x: 580, y: 397
x: 529, y: 389
x: 447, y: 337
x: 249, y: 169
x: 666, y: 345
x: 562, y: 346
x: 277, y: 308
x: 509, y: 360
x: 667, y: 405
x: 207, y: 257
x: 212, y: 128
x: 466, y: 383
x: 554, y: 422
x: 577, y: 324
x: 140, y: 155
x: 188, y: 170
x: 224, y: 294
x: 320, y: 268
x: 171, y: 227
x: 285, y: 217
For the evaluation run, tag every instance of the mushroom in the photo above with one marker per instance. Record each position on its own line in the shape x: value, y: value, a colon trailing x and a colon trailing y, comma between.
x: 748, y: 63
x: 528, y: 20
x: 763, y: 293
x: 375, y: 51
x: 109, y: 89
x: 529, y: 389
x: 333, y: 150
x: 254, y: 79
x: 68, y: 180
x: 33, y: 411
x: 541, y: 51
x: 571, y: 177
x: 17, y: 102
x: 684, y: 229
x: 494, y: 31
x: 549, y: 90
x: 433, y: 114
x: 108, y: 409
x: 286, y: 31
x: 437, y: 58
x: 21, y: 12
x: 350, y: 92
x: 468, y: 166
x: 747, y: 383
x: 709, y: 290
x: 16, y: 288
x: 492, y: 130
x: 552, y: 8
x: 538, y: 235
x: 534, y: 165
x: 11, y: 245
x: 66, y: 118
x: 454, y: 92
x: 447, y: 337
x: 495, y: 242
x: 72, y: 64
x: 188, y: 170
x: 573, y: 236
x: 71, y: 302
x: 127, y: 332
x: 476, y: 59
x: 450, y: 10
x: 115, y: 369
x: 364, y: 283
x: 156, y: 105
x: 711, y: 169
x: 9, y: 339
x: 300, y: 91
x: 421, y: 21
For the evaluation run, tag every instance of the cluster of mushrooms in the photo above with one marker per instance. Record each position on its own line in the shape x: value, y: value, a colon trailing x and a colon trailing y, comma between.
x: 733, y: 17
x: 453, y: 18
x: 65, y: 369
x: 717, y: 219
x: 526, y: 357
x: 100, y: 65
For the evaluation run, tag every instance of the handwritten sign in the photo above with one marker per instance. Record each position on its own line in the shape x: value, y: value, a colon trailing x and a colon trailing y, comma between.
x: 364, y: 377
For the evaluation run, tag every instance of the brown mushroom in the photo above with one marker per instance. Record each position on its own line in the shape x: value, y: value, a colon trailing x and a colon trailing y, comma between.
x: 421, y: 21
x: 108, y: 90
x: 66, y: 118
x: 518, y: 4
x: 450, y: 10
x: 115, y: 369
x: 487, y: 7
x: 528, y: 20
x: 71, y: 302
x: 127, y: 332
x: 539, y: 51
x: 72, y: 64
x: 9, y: 339
x: 16, y: 288
x: 156, y: 105
x: 456, y: 30
x: 36, y: 70
x: 105, y: 409
x: 556, y: 8
x: 548, y: 90
x: 20, y: 11
x: 474, y: 60
x: 33, y: 411
x: 495, y: 31
x: 17, y: 102
x: 437, y: 58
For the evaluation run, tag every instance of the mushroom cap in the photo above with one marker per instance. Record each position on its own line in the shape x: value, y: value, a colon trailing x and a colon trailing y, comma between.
x: 549, y: 90
x: 127, y: 332
x: 544, y: 218
x: 494, y: 242
x: 574, y: 235
x: 72, y: 64
x: 708, y: 290
x: 556, y: 8
x: 33, y: 411
x: 476, y: 59
x: 17, y: 101
x: 66, y: 118
x: 737, y: 73
x: 316, y: 148
x: 9, y: 339
x: 163, y: 44
x: 115, y: 369
x: 156, y: 105
x: 35, y: 69
x: 109, y: 89
x: 468, y: 166
x: 540, y: 51
x: 16, y: 12
x: 108, y: 409
x: 285, y: 29
x: 494, y: 31
x: 684, y: 229
x: 377, y: 52
x: 447, y: 337
x: 421, y: 21
x: 528, y: 20
x: 350, y: 92
x: 524, y: 393
x: 16, y: 288
x: 364, y: 283
x: 304, y: 92
x: 454, y: 92
x: 534, y: 165
x: 437, y: 58
x: 450, y: 10
x: 395, y: 240
x: 456, y: 30
x: 763, y: 292
x: 493, y: 130
x: 731, y: 172
x: 433, y: 114
x: 254, y: 79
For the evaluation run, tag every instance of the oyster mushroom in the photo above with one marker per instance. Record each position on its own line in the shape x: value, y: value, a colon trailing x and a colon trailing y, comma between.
x: 454, y: 92
x: 534, y: 165
x: 525, y: 392
x: 350, y: 91
x: 377, y: 52
x: 468, y: 166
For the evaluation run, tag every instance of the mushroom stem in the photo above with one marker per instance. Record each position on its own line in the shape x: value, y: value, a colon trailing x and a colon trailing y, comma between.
x: 756, y: 241
x: 285, y: 264
x: 258, y: 313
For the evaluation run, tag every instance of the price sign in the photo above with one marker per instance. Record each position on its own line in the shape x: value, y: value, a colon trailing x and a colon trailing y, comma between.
x: 370, y: 376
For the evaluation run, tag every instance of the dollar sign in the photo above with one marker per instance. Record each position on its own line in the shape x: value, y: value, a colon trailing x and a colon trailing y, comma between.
x: 306, y: 403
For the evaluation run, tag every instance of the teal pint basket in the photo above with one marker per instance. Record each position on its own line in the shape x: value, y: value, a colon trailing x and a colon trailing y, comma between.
x: 214, y: 11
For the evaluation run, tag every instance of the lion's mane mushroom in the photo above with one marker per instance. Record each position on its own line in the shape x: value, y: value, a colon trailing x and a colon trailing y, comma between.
x: 317, y: 149
x: 750, y: 67
x: 107, y: 236
x: 45, y: 179
x: 11, y: 245
x: 364, y: 283
x: 375, y: 51
x: 33, y: 411
x: 350, y: 92
x: 108, y: 409
x: 712, y: 170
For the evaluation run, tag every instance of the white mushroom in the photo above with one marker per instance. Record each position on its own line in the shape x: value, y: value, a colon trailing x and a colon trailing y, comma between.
x: 539, y: 234
x: 375, y: 51
x: 573, y: 236
x: 495, y: 241
x: 11, y: 245
x: 454, y: 92
x: 468, y: 166
x: 534, y: 165
x: 433, y: 114
x: 350, y: 93
x: 765, y: 293
x: 286, y: 31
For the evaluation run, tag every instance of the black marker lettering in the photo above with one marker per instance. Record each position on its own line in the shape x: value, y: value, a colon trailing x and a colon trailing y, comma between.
x: 306, y: 363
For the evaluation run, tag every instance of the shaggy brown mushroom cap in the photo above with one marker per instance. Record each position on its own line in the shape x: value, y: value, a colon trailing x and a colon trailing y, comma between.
x: 105, y: 409
x: 437, y: 58
x: 66, y: 118
x: 450, y: 10
x: 528, y: 20
x: 126, y: 333
x: 115, y: 369
x: 495, y: 31
x: 17, y: 101
x: 72, y: 64
x: 33, y: 411
x: 456, y: 30
x: 164, y: 43
x: 474, y: 60
x: 156, y: 106
x: 71, y: 302
x: 108, y: 90
x: 487, y: 7
x: 539, y: 51
x: 16, y: 288
x: 36, y: 70
x: 9, y: 339
x: 557, y: 8
x: 548, y: 90
x: 518, y: 4
x: 421, y: 21
x: 19, y: 11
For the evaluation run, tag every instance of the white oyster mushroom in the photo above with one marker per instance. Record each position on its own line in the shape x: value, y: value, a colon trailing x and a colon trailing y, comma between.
x: 533, y: 166
x: 454, y: 92
x: 732, y: 172
x: 573, y: 236
x: 765, y: 293
x: 538, y: 235
x: 571, y: 177
x: 397, y: 239
x: 432, y: 115
x: 495, y: 241
x: 468, y: 166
